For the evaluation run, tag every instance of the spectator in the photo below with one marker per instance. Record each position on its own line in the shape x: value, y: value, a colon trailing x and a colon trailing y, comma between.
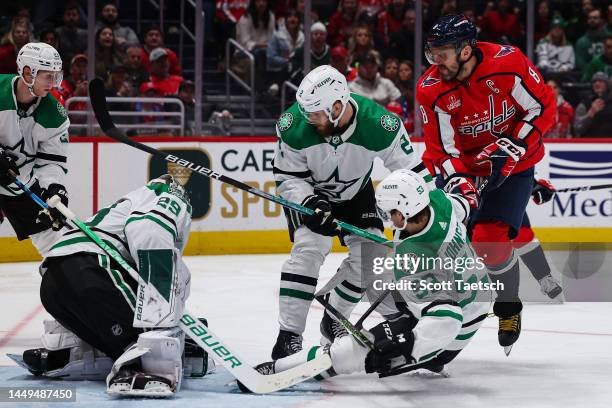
x: 117, y: 84
x: 161, y: 78
x: 17, y: 38
x: 107, y: 52
x: 319, y: 52
x: 602, y: 63
x: 341, y: 59
x: 501, y: 24
x: 404, y: 108
x: 256, y: 27
x: 341, y: 23
x: 578, y: 22
x: 109, y: 17
x: 48, y: 36
x: 186, y: 94
x: 137, y: 73
x: 77, y: 75
x: 370, y: 83
x: 390, y: 20
x: 391, y: 70
x: 543, y: 20
x: 283, y: 44
x: 590, y: 45
x: 594, y: 112
x: 405, y: 71
x: 72, y: 39
x: 565, y: 114
x: 227, y: 15
x: 401, y: 43
x: 153, y: 38
x: 361, y: 43
x: 149, y: 90
x: 554, y: 53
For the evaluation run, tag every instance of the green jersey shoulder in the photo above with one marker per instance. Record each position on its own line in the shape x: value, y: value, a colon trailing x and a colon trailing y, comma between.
x: 375, y: 130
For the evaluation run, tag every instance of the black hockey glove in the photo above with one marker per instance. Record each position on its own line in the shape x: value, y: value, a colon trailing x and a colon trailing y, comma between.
x: 393, y: 338
x: 7, y: 162
x: 502, y: 156
x: 543, y: 191
x: 322, y: 222
x: 52, y: 218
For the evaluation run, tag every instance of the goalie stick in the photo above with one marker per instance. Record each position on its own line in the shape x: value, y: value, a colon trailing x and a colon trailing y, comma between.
x: 98, y: 103
x: 197, y: 331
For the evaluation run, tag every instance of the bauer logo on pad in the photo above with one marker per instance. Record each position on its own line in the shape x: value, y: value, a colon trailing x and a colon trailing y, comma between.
x: 197, y: 187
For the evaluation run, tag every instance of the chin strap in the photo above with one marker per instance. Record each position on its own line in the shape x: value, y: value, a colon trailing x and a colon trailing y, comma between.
x: 337, y: 120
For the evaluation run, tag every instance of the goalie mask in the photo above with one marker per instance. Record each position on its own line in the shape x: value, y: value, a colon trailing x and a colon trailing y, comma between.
x: 173, y: 186
x: 404, y: 191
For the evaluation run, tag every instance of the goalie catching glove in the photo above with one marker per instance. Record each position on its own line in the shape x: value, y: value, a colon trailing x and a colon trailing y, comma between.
x: 322, y: 221
x: 502, y: 156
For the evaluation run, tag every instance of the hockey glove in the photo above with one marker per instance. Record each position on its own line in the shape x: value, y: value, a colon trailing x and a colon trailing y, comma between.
x: 543, y: 191
x: 502, y: 156
x: 52, y: 218
x: 7, y: 163
x: 394, y: 338
x: 462, y: 185
x: 322, y: 222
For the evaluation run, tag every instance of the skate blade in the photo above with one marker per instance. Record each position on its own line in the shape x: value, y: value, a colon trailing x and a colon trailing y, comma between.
x: 19, y: 360
x: 154, y: 392
x: 508, y: 349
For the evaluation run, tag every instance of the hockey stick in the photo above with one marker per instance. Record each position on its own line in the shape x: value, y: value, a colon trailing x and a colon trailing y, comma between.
x: 98, y: 103
x: 197, y: 331
x: 583, y: 188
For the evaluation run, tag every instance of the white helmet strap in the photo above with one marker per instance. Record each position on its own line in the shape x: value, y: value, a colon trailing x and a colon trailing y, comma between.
x: 30, y: 86
x: 337, y: 120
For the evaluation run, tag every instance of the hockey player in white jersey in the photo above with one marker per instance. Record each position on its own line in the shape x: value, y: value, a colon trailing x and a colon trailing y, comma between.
x: 33, y: 143
x: 109, y: 323
x: 432, y: 325
x: 327, y: 143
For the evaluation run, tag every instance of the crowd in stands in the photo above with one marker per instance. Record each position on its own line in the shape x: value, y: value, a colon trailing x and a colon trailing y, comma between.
x: 370, y: 41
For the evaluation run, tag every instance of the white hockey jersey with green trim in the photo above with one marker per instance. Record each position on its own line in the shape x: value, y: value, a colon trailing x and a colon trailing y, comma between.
x: 37, y: 138
x: 149, y: 227
x: 440, y: 253
x: 339, y: 166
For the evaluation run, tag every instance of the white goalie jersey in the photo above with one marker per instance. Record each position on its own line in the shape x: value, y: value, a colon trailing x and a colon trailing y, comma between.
x: 149, y: 227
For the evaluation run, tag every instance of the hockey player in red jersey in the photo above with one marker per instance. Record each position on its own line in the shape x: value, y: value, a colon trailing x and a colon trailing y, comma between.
x: 485, y: 108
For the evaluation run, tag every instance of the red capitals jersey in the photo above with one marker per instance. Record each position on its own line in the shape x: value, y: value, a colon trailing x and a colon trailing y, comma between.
x: 505, y: 94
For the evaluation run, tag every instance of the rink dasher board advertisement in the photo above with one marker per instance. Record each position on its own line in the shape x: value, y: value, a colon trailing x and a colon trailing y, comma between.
x: 229, y: 220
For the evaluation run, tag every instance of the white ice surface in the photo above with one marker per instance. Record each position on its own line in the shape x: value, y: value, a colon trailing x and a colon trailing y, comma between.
x: 563, y: 357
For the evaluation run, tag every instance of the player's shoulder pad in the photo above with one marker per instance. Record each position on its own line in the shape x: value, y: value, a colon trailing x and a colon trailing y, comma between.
x: 429, y: 86
x: 294, y: 131
x: 50, y: 113
x: 376, y: 126
x: 162, y: 191
x: 501, y: 55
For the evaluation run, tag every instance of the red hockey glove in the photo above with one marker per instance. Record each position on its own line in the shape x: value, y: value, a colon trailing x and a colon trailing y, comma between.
x: 543, y: 191
x: 502, y: 156
x: 463, y: 186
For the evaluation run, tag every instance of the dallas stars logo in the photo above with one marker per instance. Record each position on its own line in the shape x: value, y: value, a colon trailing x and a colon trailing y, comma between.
x: 389, y: 123
x: 333, y: 187
x: 285, y: 121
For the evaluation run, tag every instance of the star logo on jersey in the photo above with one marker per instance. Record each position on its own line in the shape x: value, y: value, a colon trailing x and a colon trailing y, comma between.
x: 285, y: 121
x: 429, y: 81
x: 389, y: 123
x: 503, y: 51
x: 333, y: 187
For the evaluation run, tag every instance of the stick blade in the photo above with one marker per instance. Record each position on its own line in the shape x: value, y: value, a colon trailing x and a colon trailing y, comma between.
x: 98, y: 103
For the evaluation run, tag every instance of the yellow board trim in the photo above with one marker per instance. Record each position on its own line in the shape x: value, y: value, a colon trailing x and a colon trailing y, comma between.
x: 277, y: 241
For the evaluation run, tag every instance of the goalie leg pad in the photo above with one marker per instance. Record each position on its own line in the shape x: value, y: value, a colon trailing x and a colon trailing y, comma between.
x: 83, y: 362
x: 156, y: 356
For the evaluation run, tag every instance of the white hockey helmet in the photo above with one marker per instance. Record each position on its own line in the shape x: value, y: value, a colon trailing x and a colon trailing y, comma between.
x: 404, y: 191
x: 320, y: 89
x: 173, y: 185
x: 40, y: 57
